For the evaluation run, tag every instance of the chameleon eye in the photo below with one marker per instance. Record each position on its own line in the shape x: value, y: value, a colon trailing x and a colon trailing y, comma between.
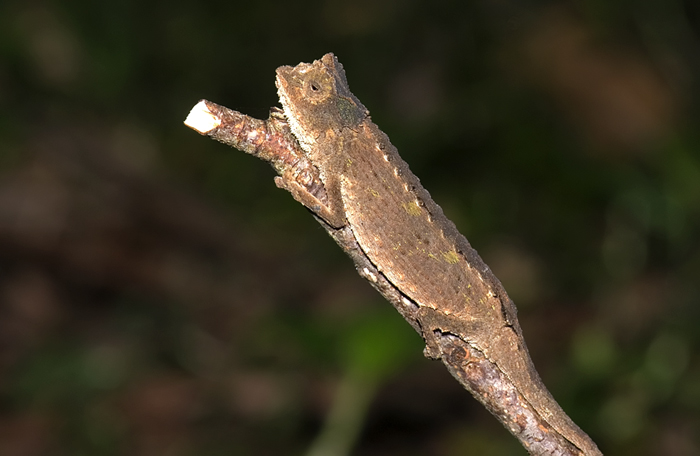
x: 313, y: 86
x: 316, y: 89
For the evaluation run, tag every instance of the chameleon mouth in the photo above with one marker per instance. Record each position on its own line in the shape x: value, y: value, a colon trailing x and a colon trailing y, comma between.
x: 289, y: 112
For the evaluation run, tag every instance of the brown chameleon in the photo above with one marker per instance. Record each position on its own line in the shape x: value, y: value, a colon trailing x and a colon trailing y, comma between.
x: 404, y: 232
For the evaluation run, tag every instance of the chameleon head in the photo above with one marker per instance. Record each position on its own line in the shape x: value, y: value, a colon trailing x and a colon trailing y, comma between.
x: 315, y: 98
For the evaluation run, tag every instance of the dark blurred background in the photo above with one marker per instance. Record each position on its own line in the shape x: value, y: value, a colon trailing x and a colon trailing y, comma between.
x: 160, y: 296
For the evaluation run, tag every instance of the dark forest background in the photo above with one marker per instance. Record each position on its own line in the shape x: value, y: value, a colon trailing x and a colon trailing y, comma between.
x: 160, y: 296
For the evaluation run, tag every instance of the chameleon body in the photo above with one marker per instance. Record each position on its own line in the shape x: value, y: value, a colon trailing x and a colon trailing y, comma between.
x: 404, y: 233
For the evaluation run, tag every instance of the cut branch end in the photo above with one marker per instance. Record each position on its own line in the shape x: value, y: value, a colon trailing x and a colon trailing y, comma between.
x: 201, y: 119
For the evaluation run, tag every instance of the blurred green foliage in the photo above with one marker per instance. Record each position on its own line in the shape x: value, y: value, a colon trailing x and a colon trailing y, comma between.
x: 160, y: 296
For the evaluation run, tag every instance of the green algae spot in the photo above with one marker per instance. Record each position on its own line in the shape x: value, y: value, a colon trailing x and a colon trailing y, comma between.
x: 451, y: 257
x: 412, y: 208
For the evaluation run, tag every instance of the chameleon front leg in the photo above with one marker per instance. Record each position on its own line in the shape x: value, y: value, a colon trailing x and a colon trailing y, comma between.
x: 331, y: 213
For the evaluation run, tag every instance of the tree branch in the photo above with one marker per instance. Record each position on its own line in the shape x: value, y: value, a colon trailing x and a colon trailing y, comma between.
x: 272, y: 141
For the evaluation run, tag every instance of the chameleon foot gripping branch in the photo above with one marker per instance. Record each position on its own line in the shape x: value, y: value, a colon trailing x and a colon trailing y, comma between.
x: 337, y: 163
